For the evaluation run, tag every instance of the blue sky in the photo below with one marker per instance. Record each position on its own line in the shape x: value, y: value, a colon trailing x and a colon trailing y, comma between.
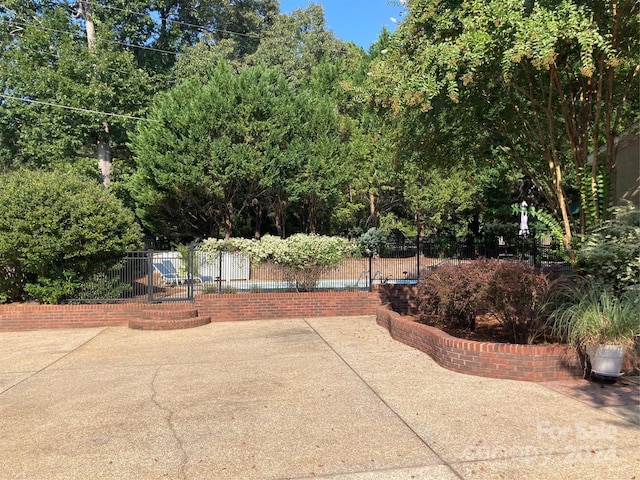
x: 358, y: 21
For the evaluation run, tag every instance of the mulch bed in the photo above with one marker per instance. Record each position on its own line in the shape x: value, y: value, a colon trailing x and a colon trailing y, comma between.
x: 488, y: 329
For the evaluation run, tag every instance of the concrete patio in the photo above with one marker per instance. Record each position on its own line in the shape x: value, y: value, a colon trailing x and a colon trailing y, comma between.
x: 332, y: 398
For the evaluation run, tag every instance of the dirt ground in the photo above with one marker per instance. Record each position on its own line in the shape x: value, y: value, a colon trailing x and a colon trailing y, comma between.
x: 488, y: 329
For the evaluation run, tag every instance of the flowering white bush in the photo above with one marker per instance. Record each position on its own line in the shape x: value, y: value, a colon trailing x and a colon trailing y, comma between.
x: 299, y: 250
x: 303, y: 258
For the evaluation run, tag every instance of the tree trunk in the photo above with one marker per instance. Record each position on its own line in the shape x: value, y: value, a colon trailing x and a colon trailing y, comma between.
x: 228, y: 220
x: 313, y: 214
x: 280, y: 206
x: 84, y: 11
x: 104, y: 161
x: 257, y: 208
x: 373, y: 213
x: 103, y: 146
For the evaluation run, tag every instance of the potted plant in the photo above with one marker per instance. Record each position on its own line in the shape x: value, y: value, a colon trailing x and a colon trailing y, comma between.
x: 597, y: 321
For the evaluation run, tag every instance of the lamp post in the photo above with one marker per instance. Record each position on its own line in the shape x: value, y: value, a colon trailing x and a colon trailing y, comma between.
x: 524, y: 219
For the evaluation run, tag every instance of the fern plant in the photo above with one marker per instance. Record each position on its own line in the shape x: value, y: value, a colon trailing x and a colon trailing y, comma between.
x: 545, y: 224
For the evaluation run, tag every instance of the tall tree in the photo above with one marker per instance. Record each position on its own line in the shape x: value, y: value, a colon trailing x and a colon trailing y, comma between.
x: 66, y: 95
x: 558, y: 80
x: 371, y: 147
x: 296, y: 43
x: 202, y: 158
x: 64, y: 63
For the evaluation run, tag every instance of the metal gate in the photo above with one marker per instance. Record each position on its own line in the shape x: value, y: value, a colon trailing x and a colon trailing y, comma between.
x: 171, y: 275
x: 150, y: 276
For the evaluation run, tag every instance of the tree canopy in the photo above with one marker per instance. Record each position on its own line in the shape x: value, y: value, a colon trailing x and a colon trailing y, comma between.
x: 554, y: 81
x: 230, y: 118
x: 211, y: 151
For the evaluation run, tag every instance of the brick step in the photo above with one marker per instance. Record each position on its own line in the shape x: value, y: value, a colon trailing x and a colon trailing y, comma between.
x: 168, y: 319
x: 167, y: 314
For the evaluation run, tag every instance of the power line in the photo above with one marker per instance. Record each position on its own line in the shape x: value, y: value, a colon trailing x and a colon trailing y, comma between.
x: 77, y: 109
x: 58, y: 58
x: 200, y: 27
x: 25, y: 24
x: 179, y: 22
x: 8, y: 9
x: 154, y: 49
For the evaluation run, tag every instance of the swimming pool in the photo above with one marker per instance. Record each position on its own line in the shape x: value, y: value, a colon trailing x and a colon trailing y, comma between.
x: 321, y: 285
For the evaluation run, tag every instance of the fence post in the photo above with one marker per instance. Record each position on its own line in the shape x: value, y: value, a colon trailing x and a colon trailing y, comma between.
x: 220, y: 271
x: 418, y: 256
x: 191, y: 277
x: 370, y: 272
x: 150, y: 276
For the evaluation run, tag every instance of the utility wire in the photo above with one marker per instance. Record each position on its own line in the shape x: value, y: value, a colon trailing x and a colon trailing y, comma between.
x: 200, y: 27
x: 8, y: 9
x: 77, y: 109
x: 25, y: 24
x: 131, y: 45
x: 179, y: 22
x: 58, y: 58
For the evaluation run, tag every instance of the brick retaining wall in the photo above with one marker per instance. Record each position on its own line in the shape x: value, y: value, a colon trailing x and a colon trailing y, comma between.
x: 517, y: 362
x: 229, y: 307
x: 249, y: 306
x: 498, y: 360
x: 33, y: 316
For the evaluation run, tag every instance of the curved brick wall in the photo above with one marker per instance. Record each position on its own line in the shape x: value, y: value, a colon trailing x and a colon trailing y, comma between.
x: 535, y: 363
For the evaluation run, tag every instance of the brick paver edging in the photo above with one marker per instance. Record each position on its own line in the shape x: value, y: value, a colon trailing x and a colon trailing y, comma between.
x: 534, y: 363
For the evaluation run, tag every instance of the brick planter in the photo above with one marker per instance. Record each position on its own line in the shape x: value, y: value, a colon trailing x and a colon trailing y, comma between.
x: 536, y: 363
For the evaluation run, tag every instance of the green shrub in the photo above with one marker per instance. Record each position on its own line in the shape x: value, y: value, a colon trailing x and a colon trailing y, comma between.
x: 56, y: 231
x: 611, y: 253
x: 104, y: 286
x: 372, y: 242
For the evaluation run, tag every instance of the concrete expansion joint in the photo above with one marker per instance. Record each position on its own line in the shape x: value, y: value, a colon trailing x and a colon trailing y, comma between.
x: 168, y: 417
x: 37, y: 372
x: 386, y: 404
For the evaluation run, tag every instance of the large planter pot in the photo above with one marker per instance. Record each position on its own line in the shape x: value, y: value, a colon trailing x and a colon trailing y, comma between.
x: 606, y: 360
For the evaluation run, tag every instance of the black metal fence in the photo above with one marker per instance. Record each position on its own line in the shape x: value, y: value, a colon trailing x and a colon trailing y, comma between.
x: 162, y: 276
x: 143, y: 276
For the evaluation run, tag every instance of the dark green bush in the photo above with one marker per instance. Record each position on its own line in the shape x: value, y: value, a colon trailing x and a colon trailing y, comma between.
x: 56, y: 231
x: 372, y: 242
x: 611, y: 253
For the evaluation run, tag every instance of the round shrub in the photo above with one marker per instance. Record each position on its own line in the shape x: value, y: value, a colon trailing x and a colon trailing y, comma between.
x: 512, y: 292
x: 456, y: 292
x: 56, y: 231
x: 372, y: 242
